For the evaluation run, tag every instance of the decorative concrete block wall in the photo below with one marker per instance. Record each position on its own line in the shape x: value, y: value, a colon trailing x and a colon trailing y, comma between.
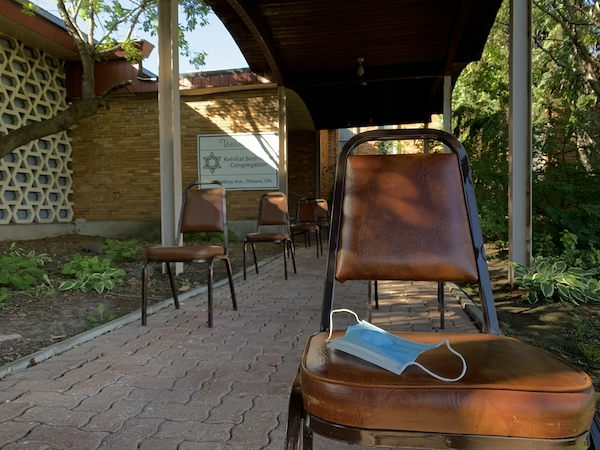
x: 36, y: 179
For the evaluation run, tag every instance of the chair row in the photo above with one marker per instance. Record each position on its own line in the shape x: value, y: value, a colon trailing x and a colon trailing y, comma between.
x: 204, y: 210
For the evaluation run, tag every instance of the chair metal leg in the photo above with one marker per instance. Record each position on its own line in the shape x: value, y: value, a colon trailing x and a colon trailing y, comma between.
x: 210, y: 293
x: 595, y: 433
x: 284, y: 260
x: 376, y: 294
x: 254, y: 255
x: 441, y: 304
x: 307, y: 436
x: 173, y: 290
x: 320, y: 240
x: 144, y: 294
x: 295, y: 416
x: 317, y: 237
x: 231, y: 288
x: 293, y: 252
x: 244, y: 257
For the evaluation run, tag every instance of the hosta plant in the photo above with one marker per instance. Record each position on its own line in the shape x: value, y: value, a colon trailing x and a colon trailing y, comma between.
x: 555, y: 282
x: 21, y: 270
x: 90, y: 272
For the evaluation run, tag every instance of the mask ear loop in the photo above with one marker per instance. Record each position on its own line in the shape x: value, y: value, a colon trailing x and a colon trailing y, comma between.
x: 444, y: 378
x: 331, y: 319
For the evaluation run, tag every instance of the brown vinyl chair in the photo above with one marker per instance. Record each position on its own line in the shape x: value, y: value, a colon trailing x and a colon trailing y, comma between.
x: 202, y: 211
x: 273, y: 211
x: 414, y: 217
x: 306, y: 221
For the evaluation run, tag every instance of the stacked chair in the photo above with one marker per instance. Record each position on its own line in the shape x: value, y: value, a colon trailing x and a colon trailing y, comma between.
x: 273, y: 211
x: 414, y: 217
x: 307, y: 221
x: 202, y: 211
x: 322, y: 213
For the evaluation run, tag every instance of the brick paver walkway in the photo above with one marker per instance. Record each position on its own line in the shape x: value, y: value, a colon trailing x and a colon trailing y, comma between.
x: 177, y: 384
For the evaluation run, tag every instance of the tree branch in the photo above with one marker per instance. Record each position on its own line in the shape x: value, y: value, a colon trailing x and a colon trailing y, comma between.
x: 71, y: 27
x: 62, y: 121
x: 586, y: 60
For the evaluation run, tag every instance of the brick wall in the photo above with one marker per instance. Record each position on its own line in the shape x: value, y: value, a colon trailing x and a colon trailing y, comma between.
x: 116, y: 153
x: 302, y: 166
x: 116, y: 162
x: 330, y: 141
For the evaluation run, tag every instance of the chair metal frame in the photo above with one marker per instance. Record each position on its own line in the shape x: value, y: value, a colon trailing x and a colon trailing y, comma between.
x: 487, y: 300
x: 301, y: 424
x: 288, y: 243
x: 210, y: 261
x: 323, y: 217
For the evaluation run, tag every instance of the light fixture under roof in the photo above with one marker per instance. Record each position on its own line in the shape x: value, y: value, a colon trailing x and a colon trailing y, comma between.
x: 360, y: 70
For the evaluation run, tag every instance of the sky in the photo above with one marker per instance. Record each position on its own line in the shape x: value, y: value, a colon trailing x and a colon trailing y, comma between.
x: 214, y: 39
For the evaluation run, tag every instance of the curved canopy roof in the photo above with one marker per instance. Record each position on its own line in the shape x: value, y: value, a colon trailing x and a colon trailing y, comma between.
x: 407, y: 47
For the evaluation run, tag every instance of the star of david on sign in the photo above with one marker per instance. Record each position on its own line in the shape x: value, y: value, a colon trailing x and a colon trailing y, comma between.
x: 211, y: 162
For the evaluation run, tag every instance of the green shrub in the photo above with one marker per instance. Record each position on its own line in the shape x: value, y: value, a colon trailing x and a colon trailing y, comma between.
x: 121, y: 251
x: 555, y: 282
x: 20, y: 270
x: 90, y: 273
x: 565, y: 197
x: 586, y: 331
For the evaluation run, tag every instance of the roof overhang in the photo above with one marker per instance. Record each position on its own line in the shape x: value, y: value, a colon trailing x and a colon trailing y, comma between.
x: 41, y: 30
x: 407, y: 48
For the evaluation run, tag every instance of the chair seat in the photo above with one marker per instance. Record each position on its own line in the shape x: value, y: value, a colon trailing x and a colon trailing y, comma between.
x: 185, y: 253
x: 266, y: 237
x: 510, y: 389
x: 305, y: 226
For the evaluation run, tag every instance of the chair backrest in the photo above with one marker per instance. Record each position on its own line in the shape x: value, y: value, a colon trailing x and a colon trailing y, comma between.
x: 406, y: 217
x: 204, y: 210
x: 306, y: 211
x: 273, y: 209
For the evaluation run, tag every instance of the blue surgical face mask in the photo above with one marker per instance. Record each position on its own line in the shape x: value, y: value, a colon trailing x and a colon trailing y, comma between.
x: 386, y: 350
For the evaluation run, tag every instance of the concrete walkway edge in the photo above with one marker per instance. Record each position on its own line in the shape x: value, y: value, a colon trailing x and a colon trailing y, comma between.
x: 467, y: 304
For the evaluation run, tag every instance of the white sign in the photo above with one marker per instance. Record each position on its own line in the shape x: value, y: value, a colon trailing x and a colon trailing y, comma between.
x: 240, y: 161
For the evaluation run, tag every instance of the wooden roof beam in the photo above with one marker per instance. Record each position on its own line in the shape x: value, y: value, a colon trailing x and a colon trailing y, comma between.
x: 459, y: 27
x: 257, y: 28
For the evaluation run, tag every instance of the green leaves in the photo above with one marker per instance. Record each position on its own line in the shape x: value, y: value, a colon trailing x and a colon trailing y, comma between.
x: 22, y: 271
x: 556, y: 282
x: 121, y: 251
x: 19, y: 270
x: 28, y: 9
x: 94, y: 322
x: 4, y: 296
x: 90, y: 273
